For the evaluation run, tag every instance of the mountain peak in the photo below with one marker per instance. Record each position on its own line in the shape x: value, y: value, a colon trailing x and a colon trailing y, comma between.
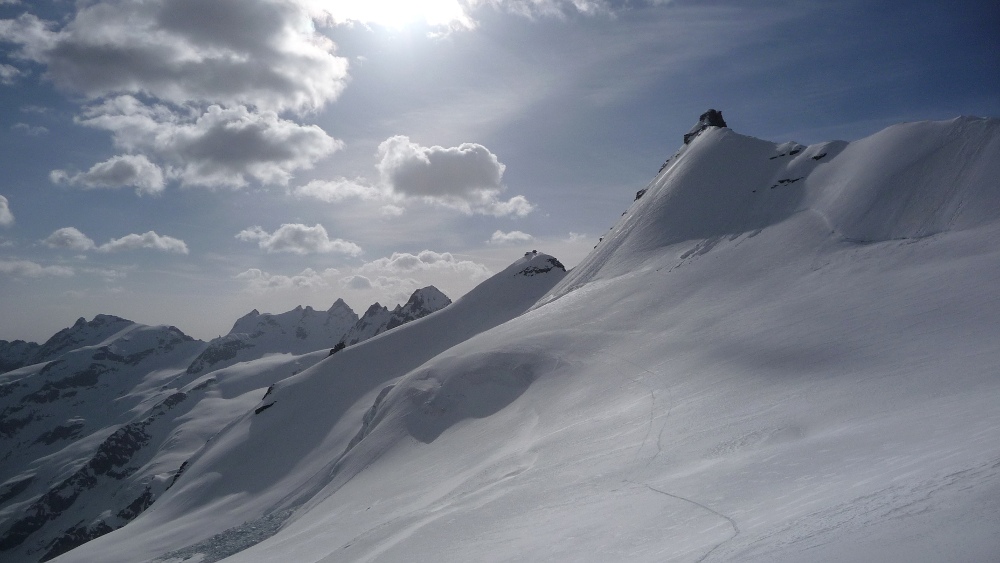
x: 535, y: 263
x: 711, y: 118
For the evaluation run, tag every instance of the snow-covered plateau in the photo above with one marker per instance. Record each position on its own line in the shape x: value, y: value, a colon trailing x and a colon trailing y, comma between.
x: 780, y: 353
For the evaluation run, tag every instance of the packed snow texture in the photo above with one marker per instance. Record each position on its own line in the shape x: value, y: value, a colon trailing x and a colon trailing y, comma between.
x: 779, y: 353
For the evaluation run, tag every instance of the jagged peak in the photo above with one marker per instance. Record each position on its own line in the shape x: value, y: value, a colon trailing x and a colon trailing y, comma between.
x: 375, y: 309
x: 535, y: 263
x: 711, y: 118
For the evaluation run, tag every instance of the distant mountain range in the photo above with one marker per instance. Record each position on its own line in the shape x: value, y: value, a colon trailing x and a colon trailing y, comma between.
x: 86, y: 417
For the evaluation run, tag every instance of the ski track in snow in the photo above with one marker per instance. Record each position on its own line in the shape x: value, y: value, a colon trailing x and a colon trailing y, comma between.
x: 659, y: 450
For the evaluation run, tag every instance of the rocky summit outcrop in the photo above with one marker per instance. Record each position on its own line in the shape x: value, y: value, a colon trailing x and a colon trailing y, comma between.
x: 711, y: 118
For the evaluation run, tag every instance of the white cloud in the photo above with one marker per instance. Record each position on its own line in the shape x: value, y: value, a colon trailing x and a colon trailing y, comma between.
x: 259, y: 281
x: 149, y: 240
x: 32, y: 130
x: 466, y: 177
x: 107, y: 274
x: 220, y: 147
x: 395, y: 286
x: 391, y: 210
x: 298, y: 239
x: 404, y: 263
x: 28, y: 269
x: 214, y: 77
x: 8, y: 74
x: 70, y: 238
x: 6, y: 215
x: 264, y: 53
x: 118, y: 171
x: 500, y: 237
x: 393, y: 13
x: 340, y: 189
x: 438, y: 171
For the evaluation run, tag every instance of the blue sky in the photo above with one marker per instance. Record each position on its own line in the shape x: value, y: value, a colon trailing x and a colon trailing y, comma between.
x: 184, y: 161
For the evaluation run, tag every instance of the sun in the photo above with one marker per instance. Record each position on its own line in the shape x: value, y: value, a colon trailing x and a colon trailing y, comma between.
x: 398, y: 14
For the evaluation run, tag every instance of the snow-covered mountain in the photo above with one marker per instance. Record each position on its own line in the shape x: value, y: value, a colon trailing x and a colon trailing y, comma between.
x: 378, y: 319
x: 104, y: 416
x: 779, y: 353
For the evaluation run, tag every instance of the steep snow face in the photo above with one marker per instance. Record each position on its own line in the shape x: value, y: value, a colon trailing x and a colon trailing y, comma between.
x: 749, y: 367
x: 297, y: 331
x: 279, y: 455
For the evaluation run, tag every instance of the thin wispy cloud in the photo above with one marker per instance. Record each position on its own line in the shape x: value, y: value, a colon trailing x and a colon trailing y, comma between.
x: 30, y: 130
x: 8, y: 74
x: 29, y: 269
x: 257, y: 280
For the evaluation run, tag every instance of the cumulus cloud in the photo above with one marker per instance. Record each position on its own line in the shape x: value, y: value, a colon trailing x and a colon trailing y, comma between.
x: 405, y: 263
x: 466, y: 177
x: 214, y: 77
x: 6, y: 216
x: 264, y: 53
x: 118, y: 171
x: 298, y: 239
x: 71, y: 238
x: 259, y: 281
x: 438, y: 171
x: 340, y: 189
x: 220, y: 147
x: 149, y: 240
x: 28, y: 269
x: 500, y: 237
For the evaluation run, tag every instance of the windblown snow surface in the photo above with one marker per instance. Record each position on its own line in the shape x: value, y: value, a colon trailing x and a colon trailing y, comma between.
x: 779, y: 353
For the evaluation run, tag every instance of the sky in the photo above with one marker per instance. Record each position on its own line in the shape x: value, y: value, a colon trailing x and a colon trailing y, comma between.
x: 182, y: 162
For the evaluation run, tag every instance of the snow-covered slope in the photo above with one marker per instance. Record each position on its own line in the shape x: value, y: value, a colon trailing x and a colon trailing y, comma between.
x: 779, y: 353
x: 276, y: 457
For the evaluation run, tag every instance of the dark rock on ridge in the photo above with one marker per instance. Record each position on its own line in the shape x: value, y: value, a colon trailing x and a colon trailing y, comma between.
x: 711, y: 118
